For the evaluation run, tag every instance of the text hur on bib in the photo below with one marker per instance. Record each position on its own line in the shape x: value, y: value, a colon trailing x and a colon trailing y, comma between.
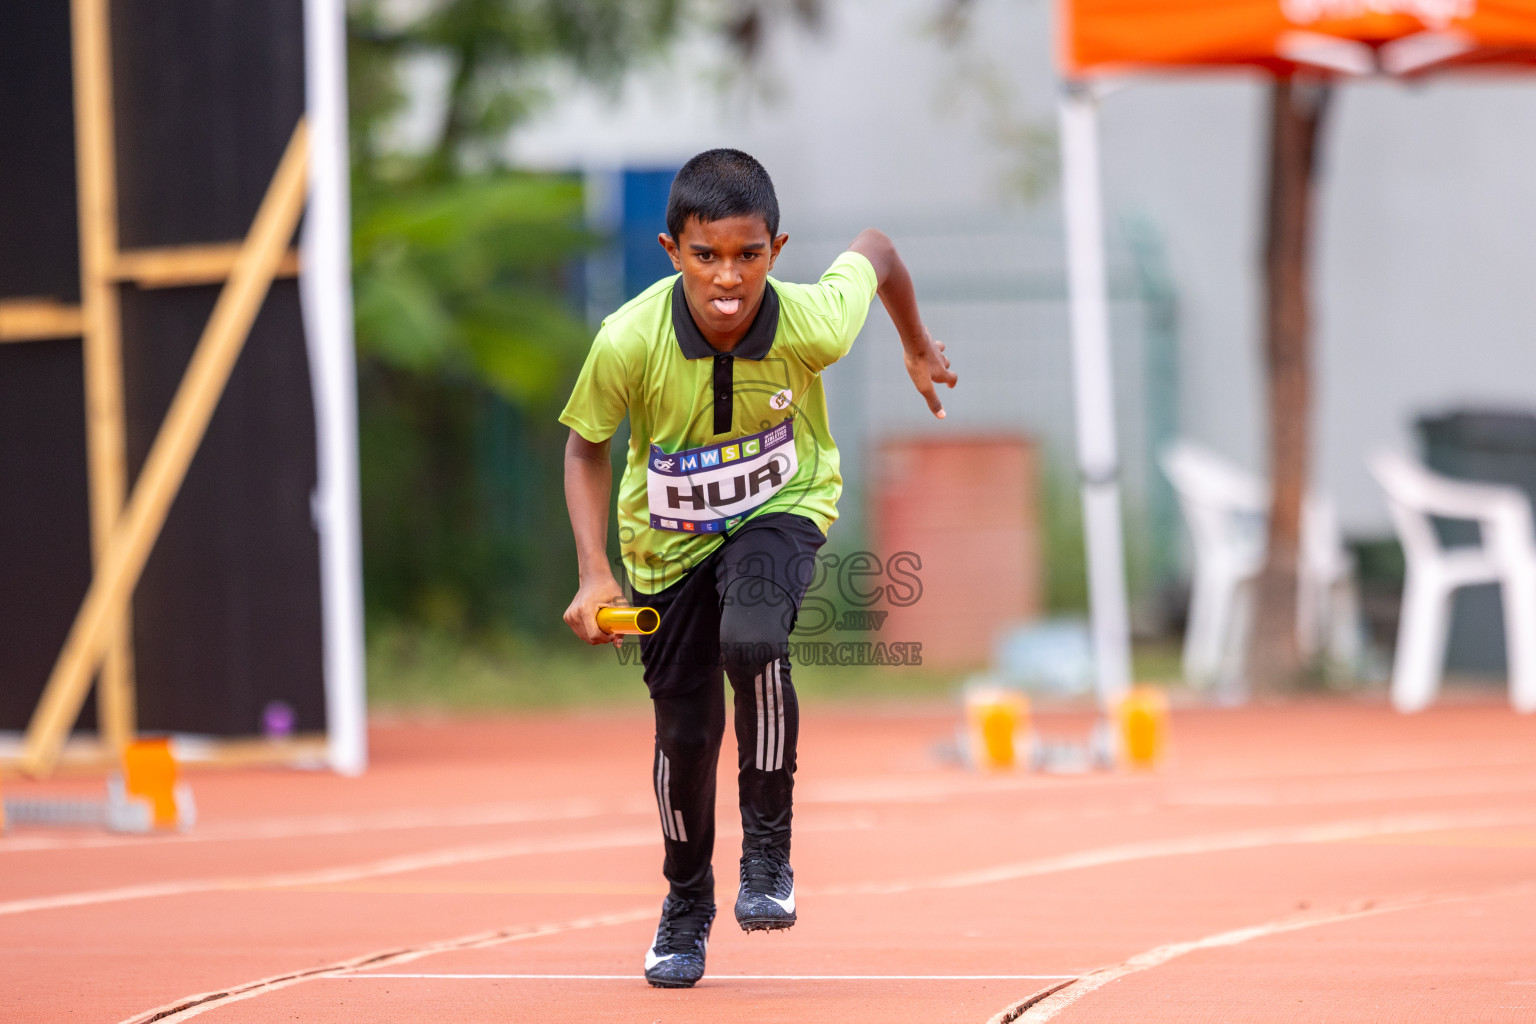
x: 711, y: 489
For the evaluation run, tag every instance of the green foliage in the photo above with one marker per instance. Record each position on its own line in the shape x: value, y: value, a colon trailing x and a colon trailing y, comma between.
x: 462, y: 279
x: 1061, y: 520
x: 495, y: 43
x: 467, y: 339
x: 411, y: 668
x: 499, y: 54
x: 466, y: 297
x: 463, y: 524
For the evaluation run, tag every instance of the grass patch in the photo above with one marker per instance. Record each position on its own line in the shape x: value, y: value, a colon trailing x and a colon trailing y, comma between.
x: 1158, y: 661
x: 871, y: 683
x: 414, y: 668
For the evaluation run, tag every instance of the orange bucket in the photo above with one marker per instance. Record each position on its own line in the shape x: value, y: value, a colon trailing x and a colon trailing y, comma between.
x: 995, y: 718
x: 1143, y: 718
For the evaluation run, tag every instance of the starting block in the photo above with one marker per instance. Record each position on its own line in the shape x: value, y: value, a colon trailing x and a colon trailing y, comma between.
x: 1069, y: 757
x: 997, y: 734
x: 145, y: 797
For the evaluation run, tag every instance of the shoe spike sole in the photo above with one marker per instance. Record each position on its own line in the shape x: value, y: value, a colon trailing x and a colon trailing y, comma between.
x: 766, y: 926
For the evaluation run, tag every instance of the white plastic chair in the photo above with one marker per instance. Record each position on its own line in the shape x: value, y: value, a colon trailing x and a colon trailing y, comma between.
x: 1506, y: 555
x: 1327, y: 598
x: 1227, y: 510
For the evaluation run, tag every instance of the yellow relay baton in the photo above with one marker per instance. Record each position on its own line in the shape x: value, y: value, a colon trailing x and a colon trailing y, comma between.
x: 628, y: 621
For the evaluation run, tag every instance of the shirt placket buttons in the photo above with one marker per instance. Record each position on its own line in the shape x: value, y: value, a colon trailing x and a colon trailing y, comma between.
x: 723, y: 388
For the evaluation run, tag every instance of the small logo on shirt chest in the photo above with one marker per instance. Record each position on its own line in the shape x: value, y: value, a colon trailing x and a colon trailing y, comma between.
x: 782, y: 399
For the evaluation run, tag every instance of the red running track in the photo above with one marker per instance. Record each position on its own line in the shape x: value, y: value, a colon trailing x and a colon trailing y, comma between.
x: 1326, y: 861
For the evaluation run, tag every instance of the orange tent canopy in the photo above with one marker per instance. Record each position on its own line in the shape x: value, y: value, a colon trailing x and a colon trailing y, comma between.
x: 1403, y: 38
x: 1398, y: 37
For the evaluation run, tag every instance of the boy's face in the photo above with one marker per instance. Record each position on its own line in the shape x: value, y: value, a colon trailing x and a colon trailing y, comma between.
x: 725, y: 266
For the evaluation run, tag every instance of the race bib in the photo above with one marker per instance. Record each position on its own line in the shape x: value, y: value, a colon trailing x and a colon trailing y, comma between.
x: 711, y: 489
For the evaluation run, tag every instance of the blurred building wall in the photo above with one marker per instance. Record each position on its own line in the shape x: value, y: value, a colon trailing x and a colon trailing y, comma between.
x: 1427, y: 215
x: 960, y: 513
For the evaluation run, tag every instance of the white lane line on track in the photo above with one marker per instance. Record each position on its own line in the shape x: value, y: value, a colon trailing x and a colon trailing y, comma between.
x: 193, y: 1006
x: 834, y: 792
x: 441, y: 858
x: 462, y: 817
x: 1340, y: 793
x: 713, y: 977
x: 340, y: 824
x: 1190, y: 845
x: 1048, y: 1003
x: 884, y: 789
x: 405, y: 863
x: 479, y: 853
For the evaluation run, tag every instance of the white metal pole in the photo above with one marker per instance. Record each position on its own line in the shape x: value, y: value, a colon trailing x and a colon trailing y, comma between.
x: 1094, y: 391
x: 325, y: 286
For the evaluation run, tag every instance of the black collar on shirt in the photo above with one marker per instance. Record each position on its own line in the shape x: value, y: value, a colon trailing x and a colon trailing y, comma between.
x: 753, y: 345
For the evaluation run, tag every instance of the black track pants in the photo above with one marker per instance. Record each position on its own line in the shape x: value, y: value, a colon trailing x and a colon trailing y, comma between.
x: 688, y: 735
x: 729, y: 620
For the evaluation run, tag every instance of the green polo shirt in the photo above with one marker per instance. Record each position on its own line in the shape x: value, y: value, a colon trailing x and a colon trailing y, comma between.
x: 650, y: 361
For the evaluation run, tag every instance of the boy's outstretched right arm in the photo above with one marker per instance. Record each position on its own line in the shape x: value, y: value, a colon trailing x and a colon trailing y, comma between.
x: 588, y: 488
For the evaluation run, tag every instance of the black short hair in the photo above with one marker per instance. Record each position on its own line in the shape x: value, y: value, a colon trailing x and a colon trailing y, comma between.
x: 721, y: 183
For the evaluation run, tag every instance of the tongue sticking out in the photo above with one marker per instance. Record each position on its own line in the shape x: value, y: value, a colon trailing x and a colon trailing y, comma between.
x: 726, y: 307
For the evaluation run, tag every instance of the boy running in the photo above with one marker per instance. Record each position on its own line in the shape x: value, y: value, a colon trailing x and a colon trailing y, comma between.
x: 729, y: 487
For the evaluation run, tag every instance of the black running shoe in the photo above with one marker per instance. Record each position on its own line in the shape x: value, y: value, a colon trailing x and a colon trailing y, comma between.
x: 676, y: 956
x: 767, y: 897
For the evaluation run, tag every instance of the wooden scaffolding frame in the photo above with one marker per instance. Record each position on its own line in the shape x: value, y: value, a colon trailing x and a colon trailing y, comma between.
x: 124, y: 524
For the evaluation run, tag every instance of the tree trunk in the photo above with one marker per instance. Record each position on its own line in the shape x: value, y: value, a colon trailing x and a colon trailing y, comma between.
x: 1297, y: 110
x: 444, y: 162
